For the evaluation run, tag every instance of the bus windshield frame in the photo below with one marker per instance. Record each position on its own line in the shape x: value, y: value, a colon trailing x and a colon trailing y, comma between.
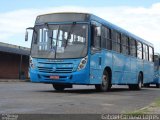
x: 60, y: 41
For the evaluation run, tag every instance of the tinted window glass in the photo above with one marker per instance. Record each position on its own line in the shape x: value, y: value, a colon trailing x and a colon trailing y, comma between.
x: 125, y: 45
x: 145, y: 52
x: 96, y: 41
x: 116, y: 41
x: 139, y: 50
x: 109, y: 39
x: 106, y: 38
x: 150, y: 54
x: 132, y: 47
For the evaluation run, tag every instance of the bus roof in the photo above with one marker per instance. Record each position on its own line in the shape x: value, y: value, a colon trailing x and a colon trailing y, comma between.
x: 62, y: 17
x: 78, y: 16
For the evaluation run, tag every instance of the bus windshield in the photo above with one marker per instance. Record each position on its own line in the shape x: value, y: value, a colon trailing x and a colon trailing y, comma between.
x: 60, y: 41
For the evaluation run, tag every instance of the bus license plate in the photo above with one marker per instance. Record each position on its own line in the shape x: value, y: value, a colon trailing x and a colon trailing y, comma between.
x: 54, y: 77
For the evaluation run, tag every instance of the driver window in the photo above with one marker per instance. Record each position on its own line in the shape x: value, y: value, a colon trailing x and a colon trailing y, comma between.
x: 95, y: 40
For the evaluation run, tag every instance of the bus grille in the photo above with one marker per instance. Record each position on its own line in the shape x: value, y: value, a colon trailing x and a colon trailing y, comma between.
x: 55, y: 70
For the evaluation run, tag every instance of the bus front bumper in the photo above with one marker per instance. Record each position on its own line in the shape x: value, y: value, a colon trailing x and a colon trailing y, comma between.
x: 79, y: 77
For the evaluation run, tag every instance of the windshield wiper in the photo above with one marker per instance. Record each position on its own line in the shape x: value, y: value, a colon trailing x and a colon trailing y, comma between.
x: 69, y: 33
x: 57, y: 40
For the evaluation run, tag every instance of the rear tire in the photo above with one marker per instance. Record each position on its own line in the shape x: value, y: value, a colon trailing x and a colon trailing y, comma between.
x: 146, y: 85
x: 58, y: 87
x: 157, y: 85
x: 106, y: 83
x: 140, y: 82
x: 137, y: 86
x: 131, y: 87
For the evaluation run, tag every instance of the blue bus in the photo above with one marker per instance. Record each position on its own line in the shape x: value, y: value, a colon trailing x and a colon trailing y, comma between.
x: 156, y: 79
x: 83, y: 49
x: 157, y: 70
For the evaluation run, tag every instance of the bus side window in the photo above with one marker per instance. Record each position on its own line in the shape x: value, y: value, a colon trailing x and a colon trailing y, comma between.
x: 139, y: 50
x: 95, y: 40
x: 150, y: 54
x: 109, y: 39
x: 125, y: 45
x: 116, y: 41
x: 104, y: 37
x: 133, y: 48
x: 145, y: 52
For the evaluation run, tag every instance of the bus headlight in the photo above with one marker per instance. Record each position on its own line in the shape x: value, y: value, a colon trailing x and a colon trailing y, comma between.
x: 83, y: 63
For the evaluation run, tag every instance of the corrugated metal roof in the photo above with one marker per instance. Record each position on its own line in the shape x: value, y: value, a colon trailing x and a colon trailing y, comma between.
x: 4, y: 47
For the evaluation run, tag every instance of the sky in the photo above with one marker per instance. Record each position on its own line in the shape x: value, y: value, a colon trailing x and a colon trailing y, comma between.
x: 140, y: 17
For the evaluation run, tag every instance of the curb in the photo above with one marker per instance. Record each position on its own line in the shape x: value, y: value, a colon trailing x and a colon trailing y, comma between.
x: 14, y: 80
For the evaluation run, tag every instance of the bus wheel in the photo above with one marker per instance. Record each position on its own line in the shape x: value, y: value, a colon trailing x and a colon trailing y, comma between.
x: 157, y: 85
x: 58, y: 87
x: 106, y: 85
x: 131, y: 87
x: 137, y: 86
x: 146, y: 85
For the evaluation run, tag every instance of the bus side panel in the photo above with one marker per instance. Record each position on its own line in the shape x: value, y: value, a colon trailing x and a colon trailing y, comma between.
x: 156, y: 77
x: 107, y: 59
x: 145, y: 78
x: 117, y: 68
x: 96, y: 70
x: 140, y: 67
x: 133, y: 73
x: 156, y: 70
x: 148, y: 72
x: 121, y: 69
x: 126, y: 70
x: 151, y: 71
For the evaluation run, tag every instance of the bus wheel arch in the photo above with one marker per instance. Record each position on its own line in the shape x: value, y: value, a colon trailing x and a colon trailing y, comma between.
x: 106, y: 80
x: 108, y: 69
x: 139, y: 83
x: 141, y: 75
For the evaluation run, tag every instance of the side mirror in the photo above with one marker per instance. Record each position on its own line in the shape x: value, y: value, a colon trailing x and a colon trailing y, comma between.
x: 98, y: 31
x: 26, y: 36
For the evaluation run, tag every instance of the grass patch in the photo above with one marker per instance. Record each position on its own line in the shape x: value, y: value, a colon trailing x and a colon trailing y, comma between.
x: 138, y: 112
x: 157, y: 102
x: 146, y: 110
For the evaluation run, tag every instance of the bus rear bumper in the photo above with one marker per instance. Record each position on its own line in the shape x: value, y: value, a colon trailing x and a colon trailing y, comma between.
x: 69, y: 78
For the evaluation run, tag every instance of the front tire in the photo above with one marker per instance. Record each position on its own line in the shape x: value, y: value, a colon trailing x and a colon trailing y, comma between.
x: 58, y: 87
x: 106, y: 84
